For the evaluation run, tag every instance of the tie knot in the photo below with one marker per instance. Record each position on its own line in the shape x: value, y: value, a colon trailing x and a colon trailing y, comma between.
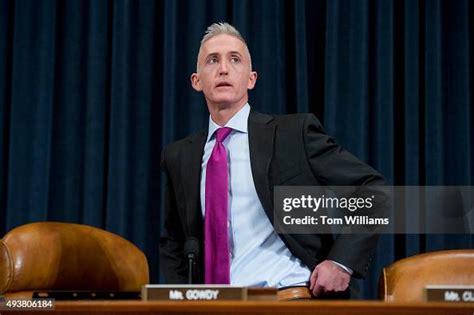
x: 222, y: 133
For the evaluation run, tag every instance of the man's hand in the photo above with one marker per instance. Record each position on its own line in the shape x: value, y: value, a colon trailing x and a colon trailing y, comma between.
x: 329, y: 277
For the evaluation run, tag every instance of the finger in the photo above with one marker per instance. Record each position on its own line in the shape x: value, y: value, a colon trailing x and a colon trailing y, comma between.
x: 317, y: 290
x: 313, y: 279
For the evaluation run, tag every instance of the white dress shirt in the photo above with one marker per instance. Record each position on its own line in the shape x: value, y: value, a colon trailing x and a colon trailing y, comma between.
x: 258, y: 255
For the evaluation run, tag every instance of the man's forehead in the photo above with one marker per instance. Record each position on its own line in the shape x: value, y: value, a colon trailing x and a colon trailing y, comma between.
x: 223, y: 41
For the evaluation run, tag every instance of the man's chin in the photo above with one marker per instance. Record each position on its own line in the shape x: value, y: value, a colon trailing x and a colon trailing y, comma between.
x: 225, y: 102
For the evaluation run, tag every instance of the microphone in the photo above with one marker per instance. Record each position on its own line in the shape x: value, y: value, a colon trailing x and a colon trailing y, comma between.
x: 191, y: 251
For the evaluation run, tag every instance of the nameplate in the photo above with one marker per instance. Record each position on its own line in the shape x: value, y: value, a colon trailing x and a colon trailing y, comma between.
x: 204, y: 293
x: 450, y: 293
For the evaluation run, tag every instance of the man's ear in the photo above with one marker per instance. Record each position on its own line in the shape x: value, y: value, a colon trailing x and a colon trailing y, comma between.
x: 252, y: 80
x: 195, y: 82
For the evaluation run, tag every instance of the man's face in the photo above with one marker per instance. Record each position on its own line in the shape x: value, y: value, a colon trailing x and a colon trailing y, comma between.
x: 224, y: 74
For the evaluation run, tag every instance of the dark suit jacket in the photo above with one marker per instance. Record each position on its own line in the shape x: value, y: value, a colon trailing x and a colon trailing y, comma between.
x: 284, y: 150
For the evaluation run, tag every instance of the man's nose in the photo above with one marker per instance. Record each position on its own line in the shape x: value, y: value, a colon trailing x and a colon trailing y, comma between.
x: 223, y: 68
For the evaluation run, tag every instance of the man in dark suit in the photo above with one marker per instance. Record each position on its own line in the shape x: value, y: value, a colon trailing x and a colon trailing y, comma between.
x: 260, y: 151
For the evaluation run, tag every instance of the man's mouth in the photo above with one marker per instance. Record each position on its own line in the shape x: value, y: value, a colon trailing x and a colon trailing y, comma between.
x: 223, y: 84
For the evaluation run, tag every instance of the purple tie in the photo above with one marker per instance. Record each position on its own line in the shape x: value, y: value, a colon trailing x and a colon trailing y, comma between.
x: 216, y: 243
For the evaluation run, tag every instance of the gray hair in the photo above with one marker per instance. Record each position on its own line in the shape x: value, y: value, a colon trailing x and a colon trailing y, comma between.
x: 221, y: 28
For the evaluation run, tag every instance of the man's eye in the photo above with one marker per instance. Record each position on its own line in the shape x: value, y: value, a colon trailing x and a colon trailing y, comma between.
x: 235, y: 59
x: 212, y: 60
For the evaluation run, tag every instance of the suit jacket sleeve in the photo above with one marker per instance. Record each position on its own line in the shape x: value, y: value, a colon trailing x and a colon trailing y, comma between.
x: 172, y: 260
x: 332, y: 165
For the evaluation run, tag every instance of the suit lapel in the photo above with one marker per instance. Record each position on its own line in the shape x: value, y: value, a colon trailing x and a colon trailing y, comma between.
x: 261, y: 137
x: 191, y: 172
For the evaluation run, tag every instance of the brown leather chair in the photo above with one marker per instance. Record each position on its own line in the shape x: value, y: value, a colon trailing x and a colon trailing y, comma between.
x: 66, y: 256
x: 405, y: 280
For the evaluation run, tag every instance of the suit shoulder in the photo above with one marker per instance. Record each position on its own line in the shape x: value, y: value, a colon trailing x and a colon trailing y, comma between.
x: 298, y: 119
x: 174, y: 147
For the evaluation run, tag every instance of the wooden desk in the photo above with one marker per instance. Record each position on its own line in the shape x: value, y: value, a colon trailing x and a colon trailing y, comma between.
x: 254, y: 307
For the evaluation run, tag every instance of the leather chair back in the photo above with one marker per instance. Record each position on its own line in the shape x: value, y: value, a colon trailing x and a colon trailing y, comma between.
x: 405, y: 280
x: 66, y: 256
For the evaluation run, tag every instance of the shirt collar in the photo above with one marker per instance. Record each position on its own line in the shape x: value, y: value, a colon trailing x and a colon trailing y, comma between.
x: 238, y: 122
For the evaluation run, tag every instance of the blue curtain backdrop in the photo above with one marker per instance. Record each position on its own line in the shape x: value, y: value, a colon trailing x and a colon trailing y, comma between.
x: 90, y: 92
